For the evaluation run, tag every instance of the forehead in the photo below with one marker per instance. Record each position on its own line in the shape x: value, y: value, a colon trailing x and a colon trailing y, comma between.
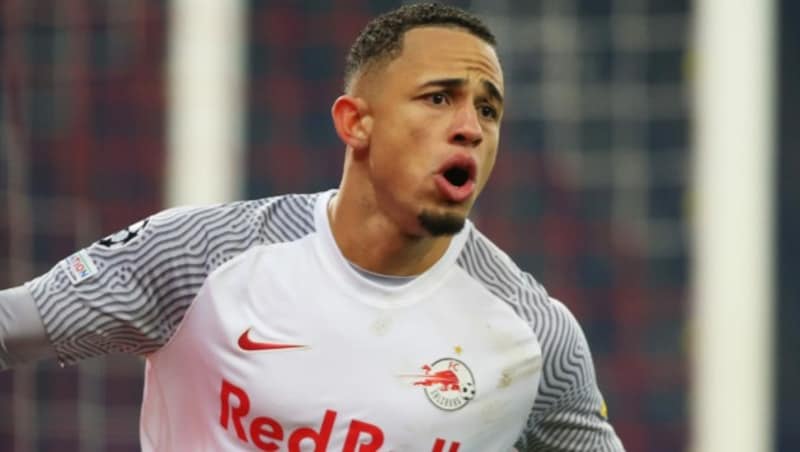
x: 445, y: 52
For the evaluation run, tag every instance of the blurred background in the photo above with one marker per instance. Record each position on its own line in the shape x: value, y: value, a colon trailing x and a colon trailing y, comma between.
x: 592, y: 192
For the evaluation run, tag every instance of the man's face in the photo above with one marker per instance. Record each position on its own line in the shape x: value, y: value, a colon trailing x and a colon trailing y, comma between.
x: 436, y: 111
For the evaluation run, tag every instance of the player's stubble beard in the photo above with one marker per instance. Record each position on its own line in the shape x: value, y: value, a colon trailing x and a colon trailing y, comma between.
x: 441, y: 224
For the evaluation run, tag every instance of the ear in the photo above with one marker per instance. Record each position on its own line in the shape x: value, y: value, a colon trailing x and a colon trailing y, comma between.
x: 352, y: 121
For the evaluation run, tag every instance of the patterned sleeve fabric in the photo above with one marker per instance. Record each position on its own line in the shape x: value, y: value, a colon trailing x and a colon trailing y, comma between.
x: 569, y: 413
x: 128, y: 292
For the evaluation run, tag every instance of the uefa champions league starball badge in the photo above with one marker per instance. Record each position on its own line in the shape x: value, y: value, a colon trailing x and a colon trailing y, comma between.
x: 121, y: 238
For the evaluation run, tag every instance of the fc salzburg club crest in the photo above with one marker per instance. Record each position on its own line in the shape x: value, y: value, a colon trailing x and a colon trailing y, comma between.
x: 448, y: 383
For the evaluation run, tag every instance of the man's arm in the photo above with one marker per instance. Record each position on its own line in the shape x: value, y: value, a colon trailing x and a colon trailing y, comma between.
x: 22, y: 335
x: 128, y: 292
x: 569, y: 414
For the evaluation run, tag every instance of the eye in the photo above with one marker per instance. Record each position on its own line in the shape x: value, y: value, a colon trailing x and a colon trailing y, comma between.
x: 488, y: 112
x: 438, y: 98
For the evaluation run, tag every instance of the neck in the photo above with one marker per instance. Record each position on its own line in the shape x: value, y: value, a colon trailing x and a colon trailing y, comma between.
x: 367, y: 237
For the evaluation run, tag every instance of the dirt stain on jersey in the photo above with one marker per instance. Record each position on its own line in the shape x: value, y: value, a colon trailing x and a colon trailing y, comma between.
x: 381, y: 326
x: 519, y: 370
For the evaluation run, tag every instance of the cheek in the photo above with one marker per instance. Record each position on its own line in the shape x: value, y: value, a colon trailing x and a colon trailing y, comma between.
x: 488, y: 167
x: 406, y: 139
x: 389, y: 162
x: 403, y: 153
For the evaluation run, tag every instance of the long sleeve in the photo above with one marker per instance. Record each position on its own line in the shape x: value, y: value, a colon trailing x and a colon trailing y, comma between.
x: 570, y: 413
x: 22, y: 334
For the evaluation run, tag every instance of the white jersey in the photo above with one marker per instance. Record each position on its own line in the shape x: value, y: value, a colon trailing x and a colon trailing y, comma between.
x: 259, y: 335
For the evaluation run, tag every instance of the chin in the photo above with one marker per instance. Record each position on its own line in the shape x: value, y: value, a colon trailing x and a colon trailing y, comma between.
x: 440, y: 224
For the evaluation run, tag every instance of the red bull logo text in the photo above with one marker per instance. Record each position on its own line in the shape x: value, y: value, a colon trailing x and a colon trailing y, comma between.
x: 268, y: 434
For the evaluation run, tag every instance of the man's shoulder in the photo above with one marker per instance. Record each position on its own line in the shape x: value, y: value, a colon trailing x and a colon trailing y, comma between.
x: 195, y: 240
x: 297, y: 204
x: 492, y: 267
x: 280, y: 217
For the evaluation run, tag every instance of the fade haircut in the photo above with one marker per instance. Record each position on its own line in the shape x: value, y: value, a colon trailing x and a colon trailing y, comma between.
x: 382, y: 39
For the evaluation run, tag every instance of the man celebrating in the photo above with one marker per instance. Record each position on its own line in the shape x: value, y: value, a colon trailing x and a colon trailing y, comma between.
x: 372, y: 317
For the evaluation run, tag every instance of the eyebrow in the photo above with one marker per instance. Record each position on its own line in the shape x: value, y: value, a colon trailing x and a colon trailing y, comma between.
x: 451, y: 83
x: 493, y: 91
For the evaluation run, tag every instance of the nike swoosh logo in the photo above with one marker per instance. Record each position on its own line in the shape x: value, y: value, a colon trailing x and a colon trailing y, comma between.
x: 249, y: 345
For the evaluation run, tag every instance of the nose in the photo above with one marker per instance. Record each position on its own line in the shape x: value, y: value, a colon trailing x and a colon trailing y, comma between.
x: 466, y: 129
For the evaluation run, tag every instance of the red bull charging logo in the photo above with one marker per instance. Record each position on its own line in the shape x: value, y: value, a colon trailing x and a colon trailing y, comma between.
x: 448, y: 383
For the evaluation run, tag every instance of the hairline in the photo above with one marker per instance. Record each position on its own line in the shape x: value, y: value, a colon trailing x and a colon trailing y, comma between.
x: 381, y: 62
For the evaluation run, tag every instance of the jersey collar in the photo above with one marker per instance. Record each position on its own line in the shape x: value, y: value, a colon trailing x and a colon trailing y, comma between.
x: 370, y: 291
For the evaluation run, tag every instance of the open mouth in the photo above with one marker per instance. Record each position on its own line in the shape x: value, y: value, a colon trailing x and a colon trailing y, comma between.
x: 458, y: 170
x: 457, y: 176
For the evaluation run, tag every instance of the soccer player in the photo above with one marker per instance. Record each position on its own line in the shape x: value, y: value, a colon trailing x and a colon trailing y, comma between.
x: 370, y: 317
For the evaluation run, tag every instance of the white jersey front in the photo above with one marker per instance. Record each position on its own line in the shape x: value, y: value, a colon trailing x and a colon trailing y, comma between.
x: 259, y: 335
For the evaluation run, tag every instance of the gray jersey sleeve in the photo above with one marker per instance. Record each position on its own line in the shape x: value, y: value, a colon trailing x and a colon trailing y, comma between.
x: 128, y: 292
x: 569, y: 413
x: 22, y: 335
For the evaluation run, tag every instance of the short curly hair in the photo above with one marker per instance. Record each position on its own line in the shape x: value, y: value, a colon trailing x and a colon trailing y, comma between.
x: 382, y: 38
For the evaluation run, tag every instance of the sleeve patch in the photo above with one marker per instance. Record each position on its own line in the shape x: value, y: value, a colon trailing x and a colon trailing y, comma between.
x: 124, y: 236
x: 79, y: 267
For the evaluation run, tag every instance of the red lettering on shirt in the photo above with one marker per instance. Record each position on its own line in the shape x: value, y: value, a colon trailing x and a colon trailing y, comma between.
x: 438, y: 446
x: 354, y: 432
x: 267, y: 433
x: 228, y: 412
x: 320, y: 439
x: 266, y: 428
